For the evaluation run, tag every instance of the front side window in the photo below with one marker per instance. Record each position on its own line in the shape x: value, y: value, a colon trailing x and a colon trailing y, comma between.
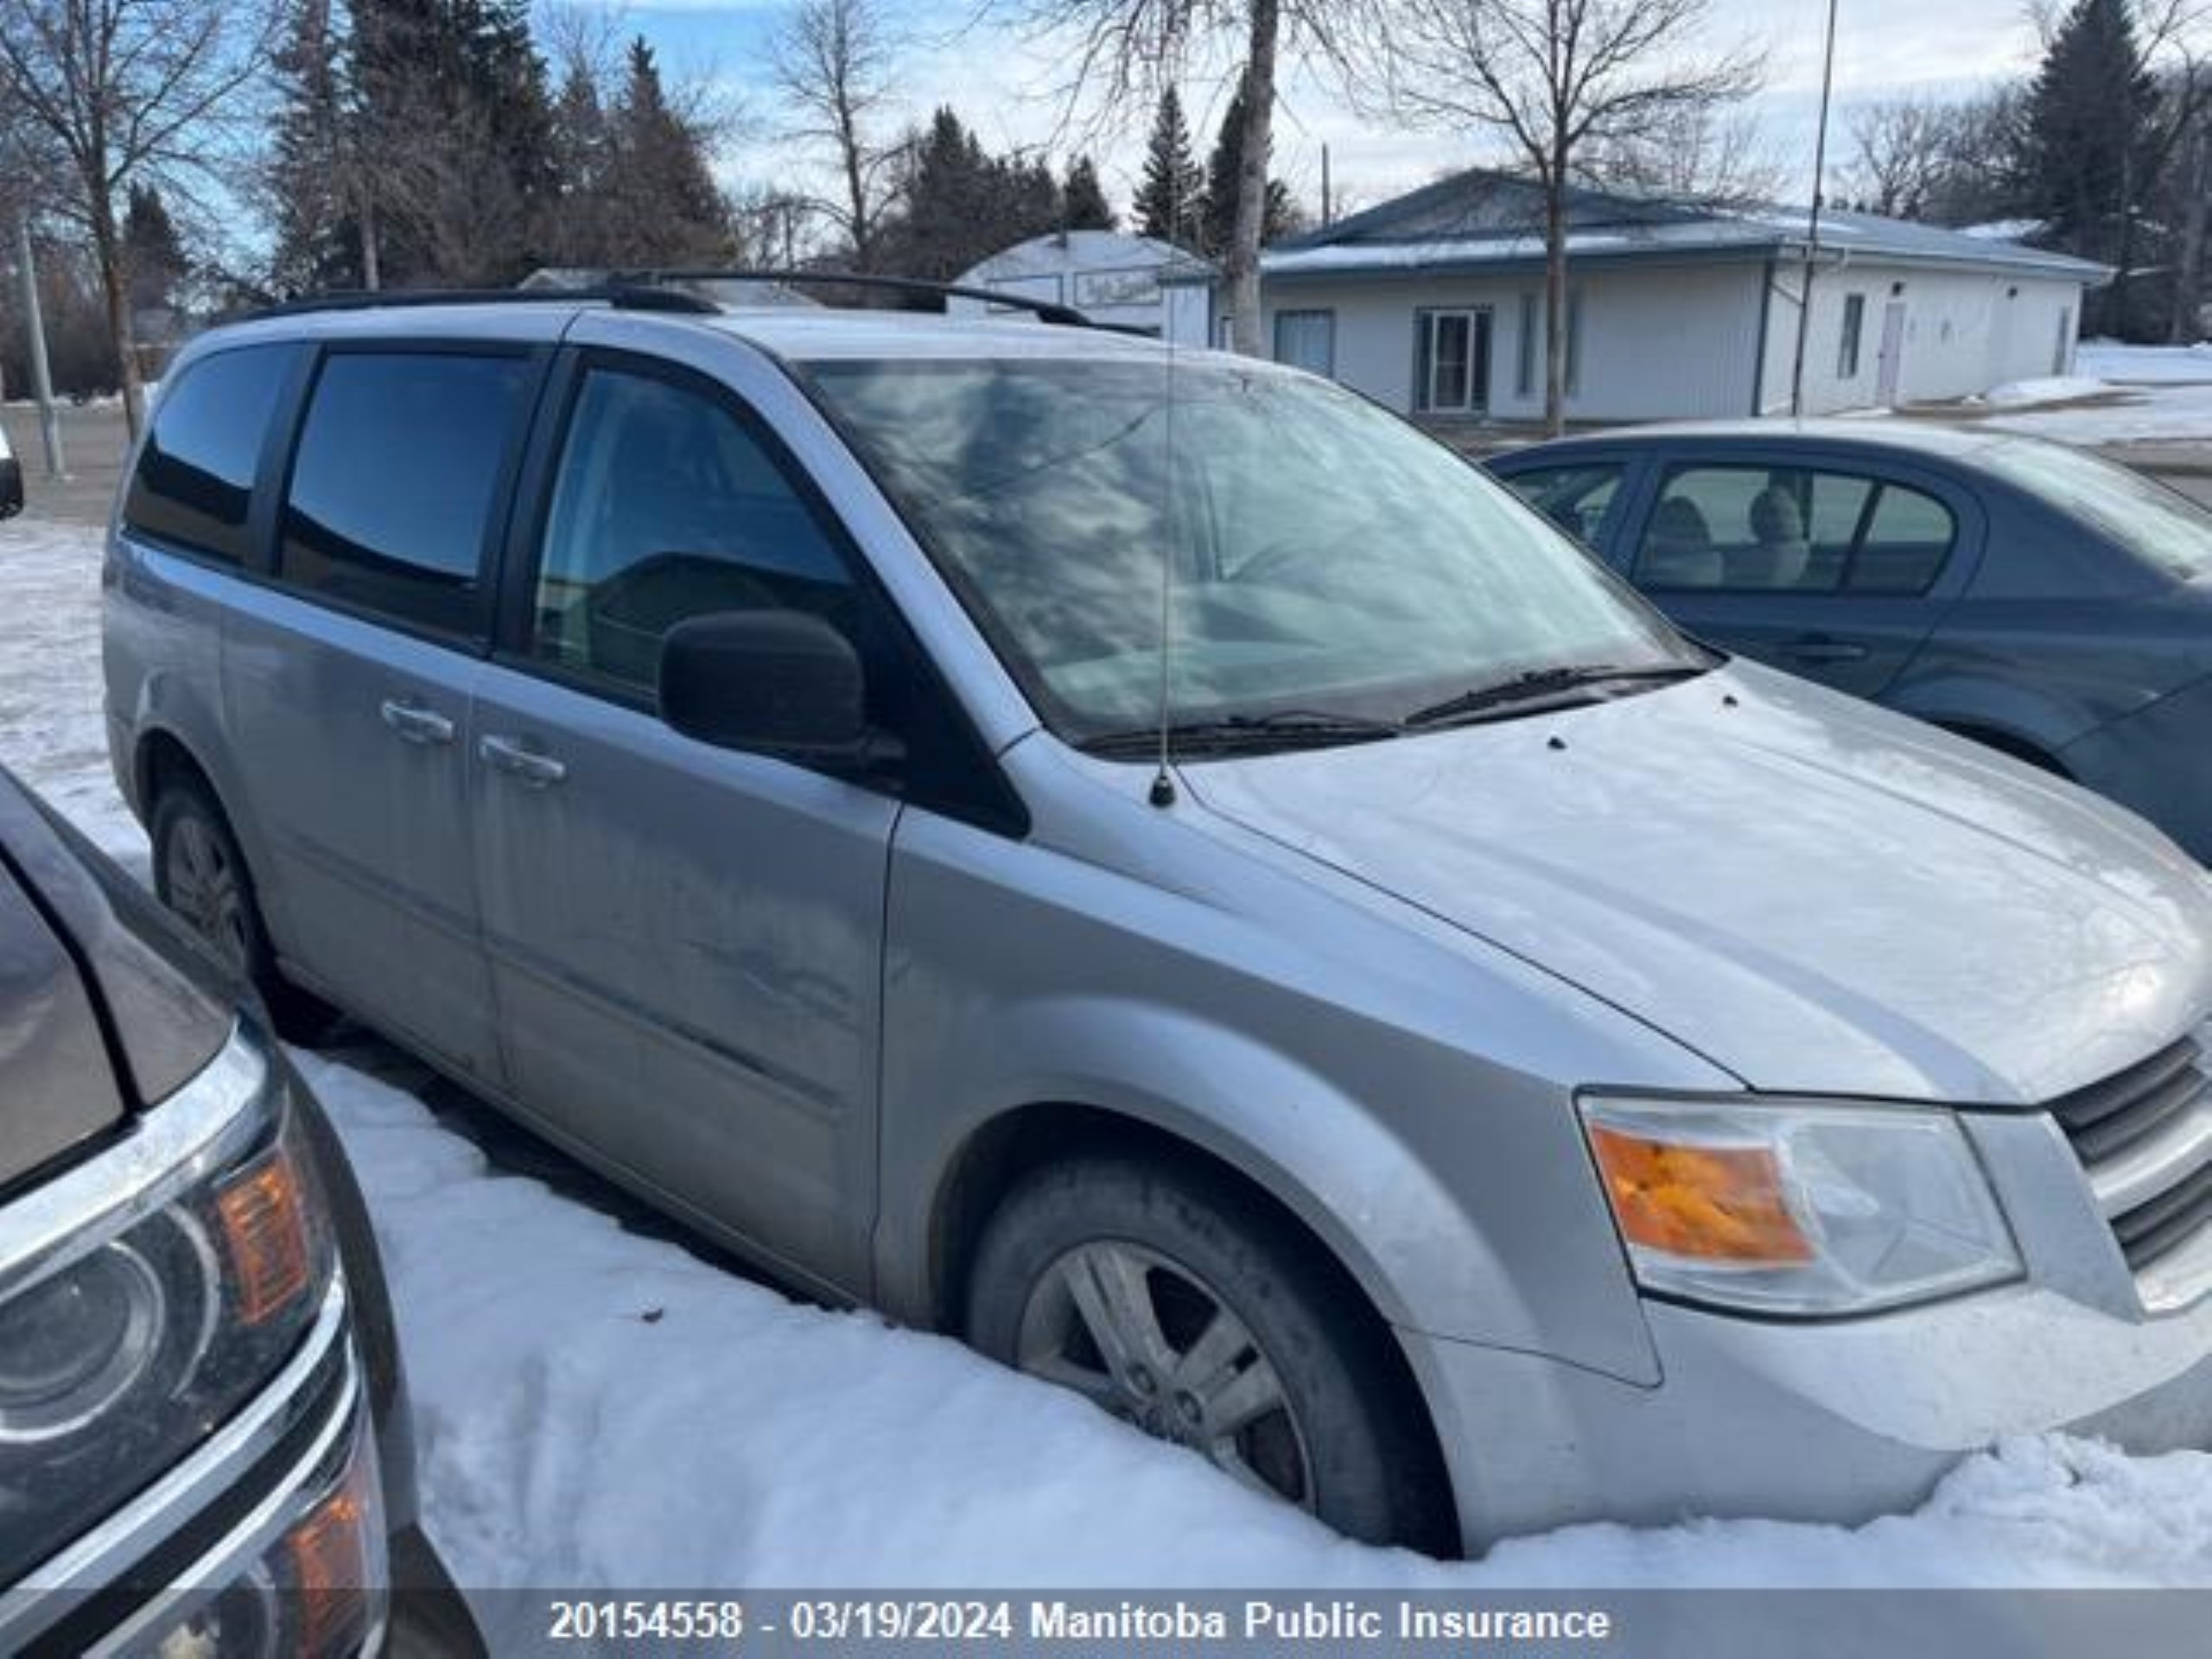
x: 1791, y: 530
x: 395, y: 482
x: 666, y: 507
x: 1323, y: 556
x: 1576, y: 498
x: 195, y: 482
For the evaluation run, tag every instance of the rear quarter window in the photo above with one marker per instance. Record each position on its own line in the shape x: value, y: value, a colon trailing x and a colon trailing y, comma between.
x: 399, y: 468
x: 193, y: 485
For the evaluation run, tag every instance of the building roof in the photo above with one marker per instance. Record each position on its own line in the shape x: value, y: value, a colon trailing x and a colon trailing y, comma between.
x: 1482, y: 221
x: 1085, y: 251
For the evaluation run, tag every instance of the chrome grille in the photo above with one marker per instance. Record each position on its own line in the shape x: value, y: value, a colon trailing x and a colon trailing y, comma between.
x: 2144, y: 1138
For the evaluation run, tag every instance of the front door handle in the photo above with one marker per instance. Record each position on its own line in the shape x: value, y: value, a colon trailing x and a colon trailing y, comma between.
x: 513, y: 757
x: 413, y: 723
x: 1819, y: 648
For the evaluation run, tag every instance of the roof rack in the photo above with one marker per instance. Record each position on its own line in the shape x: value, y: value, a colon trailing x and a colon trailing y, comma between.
x: 1065, y: 316
x: 620, y: 294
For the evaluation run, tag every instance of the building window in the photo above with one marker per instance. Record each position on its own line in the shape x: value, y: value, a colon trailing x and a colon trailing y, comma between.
x: 1306, y: 339
x: 1528, y: 348
x: 1854, y: 324
x: 1451, y: 362
x: 1574, y: 343
x: 1524, y: 354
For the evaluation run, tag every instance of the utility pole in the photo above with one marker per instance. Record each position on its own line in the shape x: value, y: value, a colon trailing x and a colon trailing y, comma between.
x: 1328, y: 214
x: 1813, y: 225
x: 49, y: 416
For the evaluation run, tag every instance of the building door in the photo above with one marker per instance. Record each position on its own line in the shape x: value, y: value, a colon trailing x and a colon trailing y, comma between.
x: 1885, y: 370
x: 1451, y: 362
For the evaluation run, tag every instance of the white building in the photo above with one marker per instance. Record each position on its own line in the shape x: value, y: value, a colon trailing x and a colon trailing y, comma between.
x: 1433, y: 303
x: 1110, y: 277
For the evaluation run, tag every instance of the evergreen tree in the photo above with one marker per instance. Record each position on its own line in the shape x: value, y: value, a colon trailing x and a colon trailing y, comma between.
x: 1217, y: 220
x: 2091, y: 141
x: 960, y: 204
x: 1171, y: 199
x: 673, y: 212
x: 316, y: 233
x: 1083, y: 205
x: 153, y: 253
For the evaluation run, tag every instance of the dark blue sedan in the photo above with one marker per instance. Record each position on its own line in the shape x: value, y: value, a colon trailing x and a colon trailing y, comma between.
x: 2034, y: 597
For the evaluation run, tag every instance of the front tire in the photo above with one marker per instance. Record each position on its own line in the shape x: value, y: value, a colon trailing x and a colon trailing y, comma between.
x: 1182, y: 1304
x: 201, y: 876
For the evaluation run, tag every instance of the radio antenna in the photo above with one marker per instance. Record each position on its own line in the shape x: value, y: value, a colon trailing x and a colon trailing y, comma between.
x: 1163, y: 780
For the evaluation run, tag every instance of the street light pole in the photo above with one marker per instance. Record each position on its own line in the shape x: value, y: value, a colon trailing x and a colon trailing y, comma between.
x: 1813, y: 222
x: 49, y: 416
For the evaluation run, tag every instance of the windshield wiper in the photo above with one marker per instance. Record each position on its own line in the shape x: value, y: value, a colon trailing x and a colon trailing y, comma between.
x: 1289, y: 729
x: 1546, y: 687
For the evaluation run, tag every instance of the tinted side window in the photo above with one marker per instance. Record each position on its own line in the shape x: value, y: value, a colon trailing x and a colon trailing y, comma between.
x: 666, y: 507
x: 1576, y: 498
x: 396, y: 480
x: 195, y: 482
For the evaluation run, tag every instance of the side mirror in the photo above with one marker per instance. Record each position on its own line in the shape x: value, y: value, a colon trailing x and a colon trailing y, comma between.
x: 782, y: 683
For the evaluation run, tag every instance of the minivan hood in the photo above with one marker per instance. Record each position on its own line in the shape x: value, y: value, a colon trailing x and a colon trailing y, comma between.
x: 1814, y: 894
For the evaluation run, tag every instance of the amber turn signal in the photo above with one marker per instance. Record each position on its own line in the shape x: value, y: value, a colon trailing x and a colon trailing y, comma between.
x: 1714, y: 1204
x: 265, y: 1235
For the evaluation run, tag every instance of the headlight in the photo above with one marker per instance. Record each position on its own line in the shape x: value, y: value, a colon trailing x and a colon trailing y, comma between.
x: 1788, y: 1207
x: 148, y: 1293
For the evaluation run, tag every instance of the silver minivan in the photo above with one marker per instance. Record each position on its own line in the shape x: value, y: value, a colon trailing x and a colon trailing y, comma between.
x: 1142, y: 860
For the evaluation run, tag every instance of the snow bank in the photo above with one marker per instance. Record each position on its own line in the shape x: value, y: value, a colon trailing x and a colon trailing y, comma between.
x: 2046, y: 388
x: 599, y: 1409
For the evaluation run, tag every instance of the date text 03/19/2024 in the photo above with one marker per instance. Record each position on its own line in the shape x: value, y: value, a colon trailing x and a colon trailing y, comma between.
x: 1042, y: 1620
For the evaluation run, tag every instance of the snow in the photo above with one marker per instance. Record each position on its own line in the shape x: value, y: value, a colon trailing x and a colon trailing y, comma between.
x: 2043, y: 389
x: 599, y: 1409
x: 2140, y: 394
x: 2141, y: 365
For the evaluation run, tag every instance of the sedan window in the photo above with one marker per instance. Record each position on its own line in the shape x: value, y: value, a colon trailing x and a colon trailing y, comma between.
x: 1791, y: 530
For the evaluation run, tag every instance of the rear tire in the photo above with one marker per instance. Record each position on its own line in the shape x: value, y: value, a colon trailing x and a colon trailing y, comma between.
x: 1182, y: 1304
x: 201, y: 876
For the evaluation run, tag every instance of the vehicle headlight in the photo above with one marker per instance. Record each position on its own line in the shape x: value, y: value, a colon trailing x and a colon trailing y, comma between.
x: 1793, y: 1207
x: 146, y: 1294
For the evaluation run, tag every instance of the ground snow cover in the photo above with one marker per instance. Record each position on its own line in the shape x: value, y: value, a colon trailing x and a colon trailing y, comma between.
x: 2135, y: 394
x: 2045, y: 389
x: 598, y: 1409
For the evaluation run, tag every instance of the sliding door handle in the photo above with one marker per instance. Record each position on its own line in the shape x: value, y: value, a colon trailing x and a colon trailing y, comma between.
x: 413, y: 723
x: 519, y: 761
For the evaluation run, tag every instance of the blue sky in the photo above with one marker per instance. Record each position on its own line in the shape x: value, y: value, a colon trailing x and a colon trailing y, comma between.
x: 1007, y: 85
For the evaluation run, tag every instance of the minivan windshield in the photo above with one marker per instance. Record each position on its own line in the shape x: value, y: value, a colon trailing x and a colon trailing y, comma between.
x: 2155, y: 522
x: 1334, y: 572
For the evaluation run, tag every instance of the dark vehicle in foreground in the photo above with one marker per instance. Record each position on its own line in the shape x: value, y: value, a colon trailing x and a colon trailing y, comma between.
x: 204, y: 1439
x: 2033, y: 597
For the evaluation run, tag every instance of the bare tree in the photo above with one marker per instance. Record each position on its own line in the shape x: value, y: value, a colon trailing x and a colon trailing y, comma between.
x: 1553, y: 78
x: 832, y: 62
x: 127, y: 90
x: 1701, y: 153
x: 1903, y: 150
x: 1127, y: 50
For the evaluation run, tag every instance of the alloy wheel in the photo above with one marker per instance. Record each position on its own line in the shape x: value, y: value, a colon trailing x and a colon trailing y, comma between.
x: 205, y: 889
x: 1148, y: 1339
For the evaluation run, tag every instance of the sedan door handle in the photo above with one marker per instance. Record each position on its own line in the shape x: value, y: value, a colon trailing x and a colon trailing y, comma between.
x: 510, y: 756
x: 415, y: 723
x: 1819, y: 649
